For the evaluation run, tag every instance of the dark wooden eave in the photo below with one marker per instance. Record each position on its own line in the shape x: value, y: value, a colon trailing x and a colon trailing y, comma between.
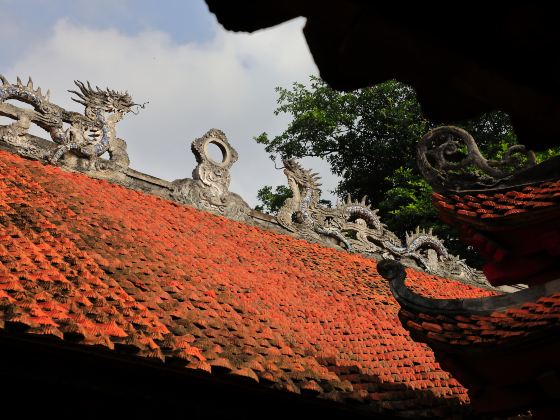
x: 462, y: 61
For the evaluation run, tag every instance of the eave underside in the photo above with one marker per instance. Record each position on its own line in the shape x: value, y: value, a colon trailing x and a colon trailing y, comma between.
x: 461, y: 64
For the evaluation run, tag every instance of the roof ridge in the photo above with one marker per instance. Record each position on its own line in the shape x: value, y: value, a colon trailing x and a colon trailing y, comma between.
x: 353, y: 226
x: 178, y: 191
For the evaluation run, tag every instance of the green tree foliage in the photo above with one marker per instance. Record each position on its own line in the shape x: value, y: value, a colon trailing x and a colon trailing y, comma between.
x: 369, y: 138
x: 408, y: 203
x: 271, y: 201
x: 355, y: 132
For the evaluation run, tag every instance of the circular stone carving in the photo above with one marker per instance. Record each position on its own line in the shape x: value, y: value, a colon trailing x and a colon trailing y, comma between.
x: 226, y: 155
x: 205, y: 162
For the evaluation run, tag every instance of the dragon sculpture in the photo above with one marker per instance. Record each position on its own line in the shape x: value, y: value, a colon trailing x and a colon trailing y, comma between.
x: 88, y: 136
x: 357, y: 227
x: 450, y: 160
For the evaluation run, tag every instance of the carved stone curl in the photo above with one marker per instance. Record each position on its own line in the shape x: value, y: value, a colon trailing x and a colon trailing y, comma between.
x: 88, y: 136
x: 209, y: 188
x: 450, y: 160
x: 357, y: 227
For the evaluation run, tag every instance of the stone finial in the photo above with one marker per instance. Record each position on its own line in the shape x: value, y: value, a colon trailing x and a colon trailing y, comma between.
x: 212, y: 173
x: 209, y: 188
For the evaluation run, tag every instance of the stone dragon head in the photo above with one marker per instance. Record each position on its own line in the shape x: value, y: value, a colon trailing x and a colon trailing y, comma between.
x: 95, y: 100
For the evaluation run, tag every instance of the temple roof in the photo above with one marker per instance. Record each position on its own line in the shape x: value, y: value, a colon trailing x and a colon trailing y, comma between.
x: 543, y: 198
x: 502, y: 347
x: 89, y: 263
x: 517, y: 230
x: 499, y: 326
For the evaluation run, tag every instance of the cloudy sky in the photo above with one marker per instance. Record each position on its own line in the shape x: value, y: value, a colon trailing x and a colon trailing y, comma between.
x: 195, y: 75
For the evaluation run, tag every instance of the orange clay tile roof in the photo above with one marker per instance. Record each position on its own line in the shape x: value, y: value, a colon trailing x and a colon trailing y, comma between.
x: 513, y: 324
x: 516, y: 231
x: 496, y: 205
x: 96, y: 264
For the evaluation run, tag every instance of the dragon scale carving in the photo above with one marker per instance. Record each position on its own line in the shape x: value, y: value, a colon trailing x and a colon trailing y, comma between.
x: 357, y: 227
x: 88, y: 136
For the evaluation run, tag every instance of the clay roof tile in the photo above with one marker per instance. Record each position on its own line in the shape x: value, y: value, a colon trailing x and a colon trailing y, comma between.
x: 146, y: 277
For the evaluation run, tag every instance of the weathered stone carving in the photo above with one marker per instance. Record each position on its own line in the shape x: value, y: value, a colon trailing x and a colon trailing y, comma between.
x: 209, y: 188
x: 449, y: 159
x: 357, y: 227
x: 351, y: 224
x: 88, y: 136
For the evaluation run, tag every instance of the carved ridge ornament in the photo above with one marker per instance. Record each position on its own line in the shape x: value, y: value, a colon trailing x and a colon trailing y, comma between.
x: 450, y: 160
x: 215, y: 175
x: 351, y: 224
x: 209, y: 188
x: 357, y: 227
x: 88, y: 136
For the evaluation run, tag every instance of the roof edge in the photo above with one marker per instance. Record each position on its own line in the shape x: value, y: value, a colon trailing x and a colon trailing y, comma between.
x: 409, y: 300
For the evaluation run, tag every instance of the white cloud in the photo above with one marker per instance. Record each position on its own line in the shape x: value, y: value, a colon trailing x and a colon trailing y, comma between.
x: 226, y: 83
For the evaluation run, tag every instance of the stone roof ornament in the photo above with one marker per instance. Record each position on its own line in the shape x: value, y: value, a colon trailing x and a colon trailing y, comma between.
x: 356, y: 226
x: 212, y: 173
x: 209, y: 188
x: 450, y: 159
x: 88, y: 136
